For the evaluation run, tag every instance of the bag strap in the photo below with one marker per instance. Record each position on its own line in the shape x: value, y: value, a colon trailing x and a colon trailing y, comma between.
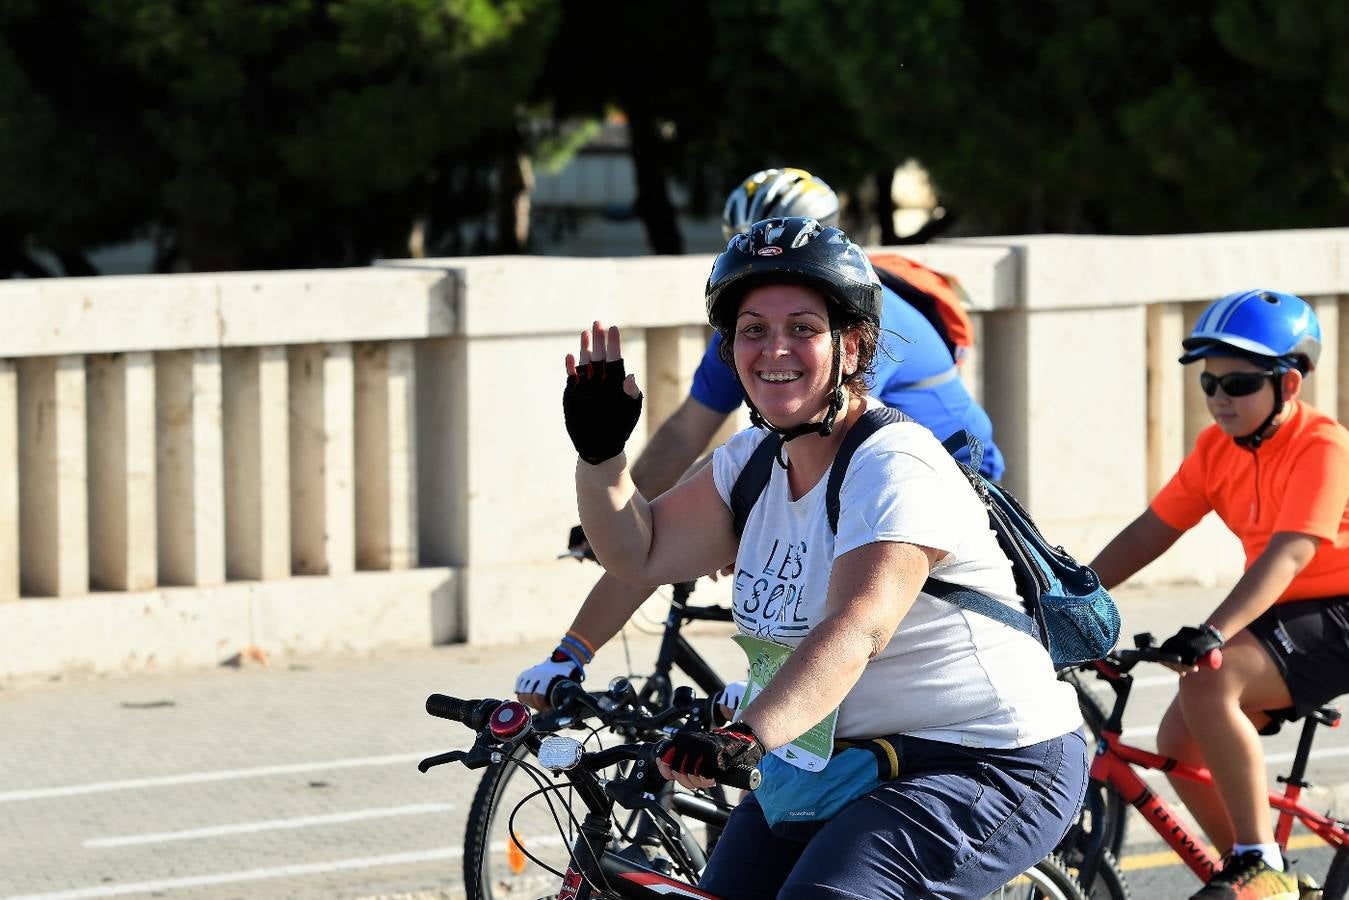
x: 862, y: 429
x: 752, y: 480
x: 981, y: 603
x: 963, y: 438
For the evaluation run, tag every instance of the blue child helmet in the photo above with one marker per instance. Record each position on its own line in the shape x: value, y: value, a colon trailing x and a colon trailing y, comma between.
x: 1258, y: 323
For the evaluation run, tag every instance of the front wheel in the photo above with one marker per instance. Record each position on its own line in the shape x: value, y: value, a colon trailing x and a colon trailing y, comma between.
x: 518, y: 840
x: 1047, y: 880
x: 497, y: 862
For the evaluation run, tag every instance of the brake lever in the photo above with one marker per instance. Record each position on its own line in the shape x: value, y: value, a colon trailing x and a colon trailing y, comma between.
x: 440, y: 759
x: 638, y: 788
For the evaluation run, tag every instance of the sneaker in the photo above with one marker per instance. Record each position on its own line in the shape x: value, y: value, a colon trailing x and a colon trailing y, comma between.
x: 1247, y: 877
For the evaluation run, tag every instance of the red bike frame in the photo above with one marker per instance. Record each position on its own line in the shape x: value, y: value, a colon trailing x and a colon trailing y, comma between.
x: 1114, y: 765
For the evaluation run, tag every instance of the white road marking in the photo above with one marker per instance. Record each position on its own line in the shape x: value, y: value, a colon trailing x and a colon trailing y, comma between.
x: 189, y: 834
x: 291, y: 871
x: 98, y: 787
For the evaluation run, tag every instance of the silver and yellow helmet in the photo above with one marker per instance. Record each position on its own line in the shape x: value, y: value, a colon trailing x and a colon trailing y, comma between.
x: 776, y: 194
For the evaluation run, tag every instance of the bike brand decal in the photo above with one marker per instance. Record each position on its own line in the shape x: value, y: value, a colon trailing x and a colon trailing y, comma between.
x: 1152, y: 807
x: 763, y: 251
x: 668, y: 887
x: 571, y: 885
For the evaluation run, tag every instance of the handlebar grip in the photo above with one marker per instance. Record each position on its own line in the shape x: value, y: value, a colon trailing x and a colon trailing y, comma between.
x: 746, y: 778
x: 452, y: 708
x: 1211, y: 660
x: 564, y: 694
x: 473, y: 713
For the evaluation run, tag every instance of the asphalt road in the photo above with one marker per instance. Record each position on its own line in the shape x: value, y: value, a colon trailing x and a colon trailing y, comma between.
x: 300, y: 780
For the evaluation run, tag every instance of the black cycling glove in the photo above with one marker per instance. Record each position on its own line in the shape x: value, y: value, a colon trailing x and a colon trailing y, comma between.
x: 1192, y: 644
x: 709, y: 753
x: 600, y: 415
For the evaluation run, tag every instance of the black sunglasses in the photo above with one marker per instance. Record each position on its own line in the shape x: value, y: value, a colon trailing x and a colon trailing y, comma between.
x: 1234, y: 384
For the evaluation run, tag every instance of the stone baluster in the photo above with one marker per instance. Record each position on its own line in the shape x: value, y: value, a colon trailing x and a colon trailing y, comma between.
x: 386, y: 455
x: 257, y: 463
x: 322, y: 466
x: 122, y: 506
x: 190, y: 454
x: 53, y: 505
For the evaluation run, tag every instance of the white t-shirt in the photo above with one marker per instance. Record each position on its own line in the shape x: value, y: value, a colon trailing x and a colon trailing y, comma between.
x: 946, y: 674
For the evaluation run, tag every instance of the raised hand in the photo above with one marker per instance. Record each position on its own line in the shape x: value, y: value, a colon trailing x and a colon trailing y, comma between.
x: 601, y: 402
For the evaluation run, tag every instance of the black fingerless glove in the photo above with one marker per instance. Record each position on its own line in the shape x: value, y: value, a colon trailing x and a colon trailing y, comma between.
x: 600, y: 415
x: 1192, y: 644
x: 710, y: 753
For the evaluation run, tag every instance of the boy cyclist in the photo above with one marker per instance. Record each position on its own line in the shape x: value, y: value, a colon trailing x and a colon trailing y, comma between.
x: 1276, y: 471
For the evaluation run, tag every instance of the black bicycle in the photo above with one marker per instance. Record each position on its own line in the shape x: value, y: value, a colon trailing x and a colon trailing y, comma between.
x: 648, y: 852
x: 507, y: 822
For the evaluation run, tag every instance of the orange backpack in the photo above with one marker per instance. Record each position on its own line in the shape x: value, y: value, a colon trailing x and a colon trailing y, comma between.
x: 939, y: 297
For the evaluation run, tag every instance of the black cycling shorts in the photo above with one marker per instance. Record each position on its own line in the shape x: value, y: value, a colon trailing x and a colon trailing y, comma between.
x: 1309, y: 642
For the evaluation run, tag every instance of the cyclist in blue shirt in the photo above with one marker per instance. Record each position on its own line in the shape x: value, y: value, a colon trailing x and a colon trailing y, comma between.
x: 913, y: 372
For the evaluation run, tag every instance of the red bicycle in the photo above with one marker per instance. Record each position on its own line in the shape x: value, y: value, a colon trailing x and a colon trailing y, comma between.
x: 1117, y: 784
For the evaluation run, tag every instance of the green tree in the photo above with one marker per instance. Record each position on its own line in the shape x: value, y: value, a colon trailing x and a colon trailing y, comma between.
x: 1129, y: 116
x: 295, y: 132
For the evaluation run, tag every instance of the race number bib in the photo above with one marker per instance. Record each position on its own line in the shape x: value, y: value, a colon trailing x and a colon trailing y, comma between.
x: 810, y: 751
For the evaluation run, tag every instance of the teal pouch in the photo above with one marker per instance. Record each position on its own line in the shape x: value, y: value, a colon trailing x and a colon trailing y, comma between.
x: 789, y: 794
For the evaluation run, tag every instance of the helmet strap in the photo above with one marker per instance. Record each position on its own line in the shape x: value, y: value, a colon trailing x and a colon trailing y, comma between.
x: 1253, y: 440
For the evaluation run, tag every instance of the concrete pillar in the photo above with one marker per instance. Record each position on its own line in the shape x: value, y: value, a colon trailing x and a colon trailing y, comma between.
x: 190, y: 454
x: 1076, y: 462
x: 257, y: 463
x: 443, y: 437
x: 1341, y: 371
x: 1322, y: 389
x: 9, y: 481
x: 672, y: 355
x: 53, y: 500
x: 1166, y: 394
x: 972, y: 369
x: 322, y: 512
x: 1197, y: 416
x: 386, y: 455
x: 121, y: 447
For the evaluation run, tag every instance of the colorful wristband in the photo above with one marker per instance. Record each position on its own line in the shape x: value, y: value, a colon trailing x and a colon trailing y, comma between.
x: 578, y: 648
x: 590, y: 648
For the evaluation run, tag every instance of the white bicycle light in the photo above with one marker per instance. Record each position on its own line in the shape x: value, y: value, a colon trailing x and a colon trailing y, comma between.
x: 558, y: 753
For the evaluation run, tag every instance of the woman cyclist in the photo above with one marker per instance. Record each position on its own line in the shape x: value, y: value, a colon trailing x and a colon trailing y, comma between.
x: 978, y: 768
x: 1276, y: 472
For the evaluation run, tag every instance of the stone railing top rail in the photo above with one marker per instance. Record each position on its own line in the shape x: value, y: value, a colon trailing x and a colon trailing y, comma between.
x: 408, y: 299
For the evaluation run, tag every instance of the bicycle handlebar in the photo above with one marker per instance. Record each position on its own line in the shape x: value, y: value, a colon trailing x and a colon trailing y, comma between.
x: 1146, y: 650
x: 476, y: 714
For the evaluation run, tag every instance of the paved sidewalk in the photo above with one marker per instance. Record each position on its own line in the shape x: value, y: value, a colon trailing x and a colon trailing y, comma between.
x: 299, y: 780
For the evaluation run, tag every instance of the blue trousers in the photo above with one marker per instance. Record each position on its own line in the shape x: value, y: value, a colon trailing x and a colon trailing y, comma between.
x: 958, y: 823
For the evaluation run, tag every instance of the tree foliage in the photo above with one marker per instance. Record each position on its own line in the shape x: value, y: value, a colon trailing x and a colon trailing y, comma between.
x: 293, y: 132
x: 1130, y: 116
x: 319, y: 132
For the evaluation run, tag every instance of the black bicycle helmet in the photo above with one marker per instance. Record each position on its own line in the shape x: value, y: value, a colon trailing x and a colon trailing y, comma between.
x: 796, y: 250
x: 776, y: 193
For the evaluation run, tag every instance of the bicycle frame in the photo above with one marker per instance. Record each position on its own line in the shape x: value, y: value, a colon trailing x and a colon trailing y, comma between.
x: 592, y: 868
x: 675, y: 649
x: 1117, y: 764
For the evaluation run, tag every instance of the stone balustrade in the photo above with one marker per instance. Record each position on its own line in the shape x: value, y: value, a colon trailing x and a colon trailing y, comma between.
x: 198, y: 466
